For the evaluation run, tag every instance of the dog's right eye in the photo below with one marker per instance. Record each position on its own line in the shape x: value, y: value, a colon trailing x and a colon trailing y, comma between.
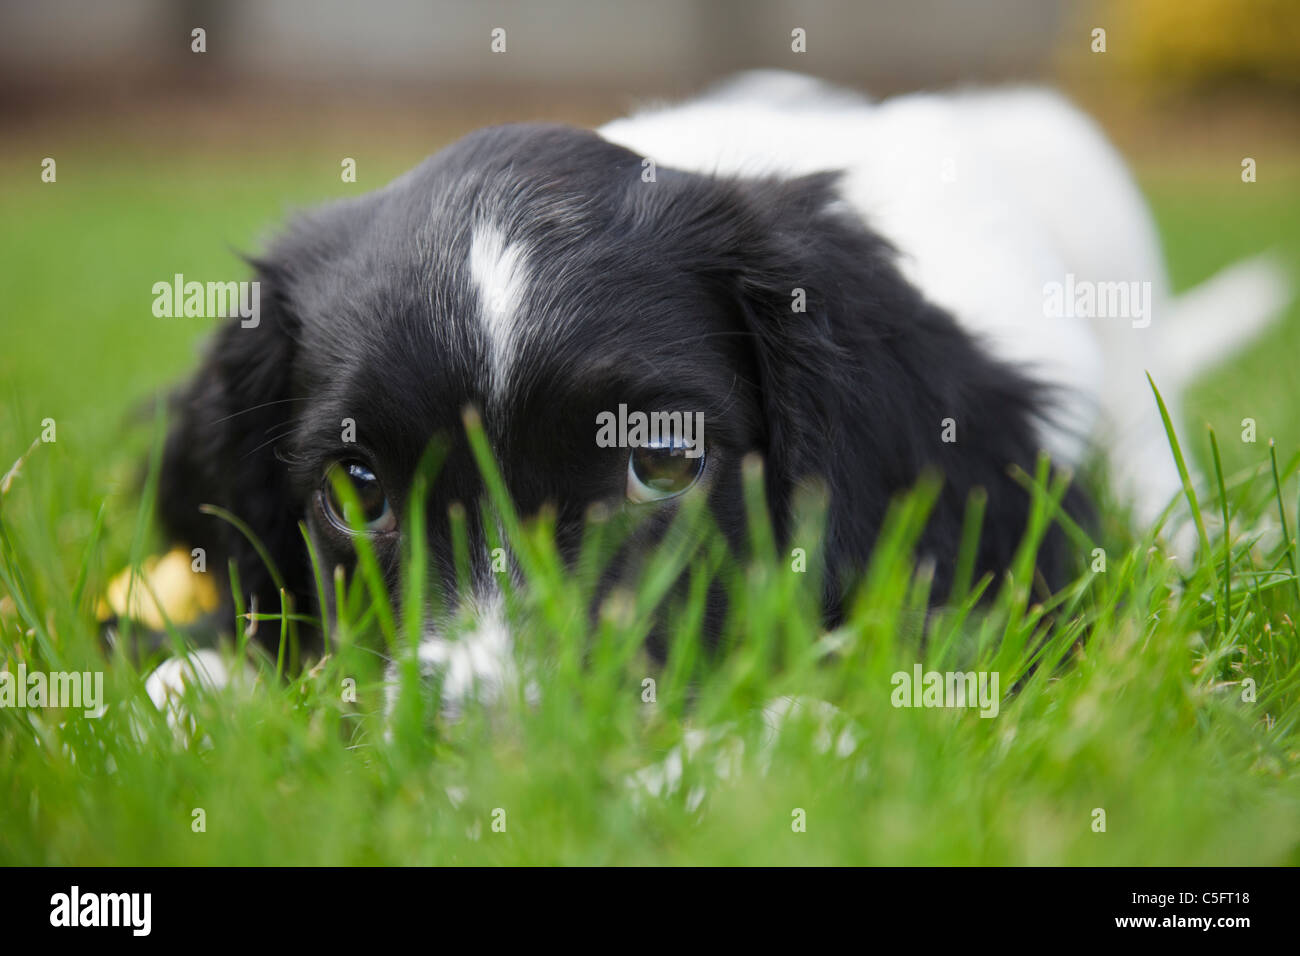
x: 656, y: 472
x: 376, y: 513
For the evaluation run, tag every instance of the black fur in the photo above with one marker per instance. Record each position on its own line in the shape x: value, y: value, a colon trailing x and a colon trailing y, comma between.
x: 675, y: 294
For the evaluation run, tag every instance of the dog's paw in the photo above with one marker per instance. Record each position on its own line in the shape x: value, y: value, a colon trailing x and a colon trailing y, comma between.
x: 170, y: 685
x: 718, y: 754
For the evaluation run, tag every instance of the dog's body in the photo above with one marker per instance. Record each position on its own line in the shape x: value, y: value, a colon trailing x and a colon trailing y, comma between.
x: 854, y: 291
x: 992, y: 198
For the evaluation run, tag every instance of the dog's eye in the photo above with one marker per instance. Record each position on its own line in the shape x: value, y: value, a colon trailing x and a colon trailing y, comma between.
x: 656, y: 472
x: 376, y: 513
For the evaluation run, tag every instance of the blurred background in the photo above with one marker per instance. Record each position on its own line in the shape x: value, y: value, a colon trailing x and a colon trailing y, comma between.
x: 311, y: 63
x: 170, y: 160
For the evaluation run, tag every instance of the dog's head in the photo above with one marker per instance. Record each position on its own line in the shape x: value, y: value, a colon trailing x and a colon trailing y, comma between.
x: 547, y: 278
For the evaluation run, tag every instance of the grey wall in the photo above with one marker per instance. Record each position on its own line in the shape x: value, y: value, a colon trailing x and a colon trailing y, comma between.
x: 884, y: 44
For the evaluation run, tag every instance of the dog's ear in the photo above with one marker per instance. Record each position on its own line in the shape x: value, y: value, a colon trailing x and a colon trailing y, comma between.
x: 221, y: 450
x: 867, y: 385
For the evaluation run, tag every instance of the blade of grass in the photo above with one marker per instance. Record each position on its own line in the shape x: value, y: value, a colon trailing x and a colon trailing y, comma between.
x: 1227, y: 535
x: 1288, y: 542
x: 1183, y: 474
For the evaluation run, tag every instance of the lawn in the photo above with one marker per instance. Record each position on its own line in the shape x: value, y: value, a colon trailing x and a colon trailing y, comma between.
x: 1122, y: 699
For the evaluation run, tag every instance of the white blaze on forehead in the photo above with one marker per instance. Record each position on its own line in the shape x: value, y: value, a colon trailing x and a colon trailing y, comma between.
x: 499, y: 271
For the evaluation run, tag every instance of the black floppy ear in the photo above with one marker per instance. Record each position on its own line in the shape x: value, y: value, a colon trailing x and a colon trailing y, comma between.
x: 867, y: 385
x: 221, y: 450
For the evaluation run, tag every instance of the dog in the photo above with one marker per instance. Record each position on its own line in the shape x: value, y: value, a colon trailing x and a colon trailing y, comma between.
x: 860, y: 293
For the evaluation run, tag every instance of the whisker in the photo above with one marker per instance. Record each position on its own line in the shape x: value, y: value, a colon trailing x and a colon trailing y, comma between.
x: 278, y: 401
x: 287, y: 429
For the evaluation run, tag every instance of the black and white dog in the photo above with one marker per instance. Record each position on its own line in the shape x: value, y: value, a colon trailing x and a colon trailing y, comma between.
x: 856, y: 291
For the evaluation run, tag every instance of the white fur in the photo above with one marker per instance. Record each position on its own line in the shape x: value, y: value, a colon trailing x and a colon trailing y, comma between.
x: 499, y: 271
x: 166, y: 686
x: 988, y: 196
x: 168, y: 681
x: 474, y: 657
x: 719, y: 756
x: 477, y: 665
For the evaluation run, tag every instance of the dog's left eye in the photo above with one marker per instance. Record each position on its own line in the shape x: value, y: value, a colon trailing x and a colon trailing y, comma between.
x: 376, y: 513
x: 656, y: 472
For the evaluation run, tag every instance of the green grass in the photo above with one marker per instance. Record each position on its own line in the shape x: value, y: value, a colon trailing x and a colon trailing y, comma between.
x: 1145, y: 720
